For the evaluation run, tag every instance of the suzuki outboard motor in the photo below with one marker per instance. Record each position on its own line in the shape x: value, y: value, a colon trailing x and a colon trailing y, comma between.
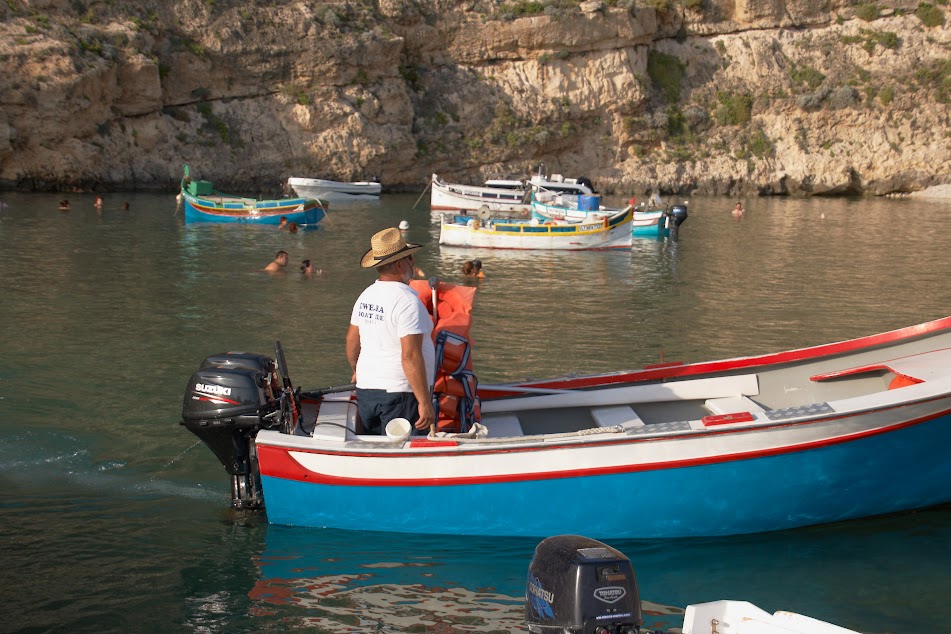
x: 227, y: 401
x: 577, y: 585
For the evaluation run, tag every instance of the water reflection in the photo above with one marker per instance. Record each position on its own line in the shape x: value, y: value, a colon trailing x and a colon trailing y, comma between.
x: 337, y: 580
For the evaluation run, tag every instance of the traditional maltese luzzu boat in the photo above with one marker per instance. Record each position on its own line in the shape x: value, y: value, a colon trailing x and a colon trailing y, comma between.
x: 600, y: 233
x: 821, y: 434
x: 646, y: 223
x: 204, y: 204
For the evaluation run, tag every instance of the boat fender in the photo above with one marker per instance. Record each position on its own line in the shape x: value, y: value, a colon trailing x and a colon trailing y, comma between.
x: 550, y: 222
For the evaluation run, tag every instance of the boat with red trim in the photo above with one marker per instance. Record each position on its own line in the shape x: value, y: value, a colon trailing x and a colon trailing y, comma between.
x: 204, y: 204
x: 822, y: 434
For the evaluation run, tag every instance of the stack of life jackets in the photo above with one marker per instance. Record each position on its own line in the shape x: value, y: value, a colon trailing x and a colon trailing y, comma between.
x: 455, y: 391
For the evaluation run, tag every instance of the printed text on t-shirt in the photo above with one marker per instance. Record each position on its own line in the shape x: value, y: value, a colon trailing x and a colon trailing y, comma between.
x: 370, y: 311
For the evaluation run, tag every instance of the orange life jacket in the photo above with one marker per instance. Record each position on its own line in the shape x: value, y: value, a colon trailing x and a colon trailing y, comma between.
x: 455, y: 389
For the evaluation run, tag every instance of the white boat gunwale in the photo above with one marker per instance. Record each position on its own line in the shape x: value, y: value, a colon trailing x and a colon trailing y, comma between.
x: 923, y: 366
x: 610, y: 457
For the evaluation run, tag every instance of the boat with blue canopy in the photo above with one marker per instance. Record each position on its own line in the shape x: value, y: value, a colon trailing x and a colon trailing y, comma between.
x: 646, y: 223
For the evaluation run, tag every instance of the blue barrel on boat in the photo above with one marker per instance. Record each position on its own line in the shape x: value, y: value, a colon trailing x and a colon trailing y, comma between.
x: 589, y: 202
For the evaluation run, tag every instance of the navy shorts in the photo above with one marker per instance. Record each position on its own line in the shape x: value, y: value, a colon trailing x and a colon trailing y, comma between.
x: 378, y: 407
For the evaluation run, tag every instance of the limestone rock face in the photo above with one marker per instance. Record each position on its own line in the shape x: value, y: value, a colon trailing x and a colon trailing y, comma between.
x: 776, y: 97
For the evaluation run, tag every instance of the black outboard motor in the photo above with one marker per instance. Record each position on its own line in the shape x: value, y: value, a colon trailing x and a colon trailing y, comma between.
x: 584, y: 180
x: 678, y: 214
x: 577, y: 585
x: 227, y: 401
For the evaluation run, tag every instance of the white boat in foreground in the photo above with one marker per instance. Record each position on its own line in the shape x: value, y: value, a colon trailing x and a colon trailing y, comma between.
x: 577, y: 584
x: 742, y: 617
x: 335, y: 190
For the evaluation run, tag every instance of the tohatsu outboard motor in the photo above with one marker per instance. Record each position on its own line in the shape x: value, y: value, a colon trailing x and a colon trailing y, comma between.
x: 227, y: 401
x: 577, y: 585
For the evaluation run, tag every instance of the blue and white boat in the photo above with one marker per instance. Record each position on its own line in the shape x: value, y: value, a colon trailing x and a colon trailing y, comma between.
x: 647, y: 223
x: 204, y: 204
x: 744, y: 445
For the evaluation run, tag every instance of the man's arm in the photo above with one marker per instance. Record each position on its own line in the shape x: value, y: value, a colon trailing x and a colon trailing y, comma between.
x: 411, y: 349
x: 353, y: 348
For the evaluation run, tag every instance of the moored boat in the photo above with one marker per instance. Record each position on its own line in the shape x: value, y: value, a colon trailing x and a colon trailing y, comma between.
x: 735, y: 446
x: 605, y: 232
x: 204, y: 204
x: 501, y: 196
x: 646, y: 222
x: 335, y: 190
x: 490, y: 199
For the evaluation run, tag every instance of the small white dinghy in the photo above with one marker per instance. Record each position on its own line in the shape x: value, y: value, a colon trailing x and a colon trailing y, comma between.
x: 742, y: 617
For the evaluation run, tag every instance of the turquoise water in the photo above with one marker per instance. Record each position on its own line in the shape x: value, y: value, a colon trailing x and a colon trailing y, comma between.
x: 113, y: 517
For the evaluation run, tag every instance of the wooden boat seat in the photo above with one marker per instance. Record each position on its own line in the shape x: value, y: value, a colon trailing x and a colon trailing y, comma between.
x: 689, y: 389
x: 336, y: 420
x: 732, y: 405
x: 623, y: 415
x: 503, y: 425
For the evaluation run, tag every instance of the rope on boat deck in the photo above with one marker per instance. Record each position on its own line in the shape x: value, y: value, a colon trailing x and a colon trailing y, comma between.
x: 613, y: 429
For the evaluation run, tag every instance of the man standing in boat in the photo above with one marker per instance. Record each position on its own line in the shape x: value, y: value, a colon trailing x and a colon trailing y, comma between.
x: 389, y: 342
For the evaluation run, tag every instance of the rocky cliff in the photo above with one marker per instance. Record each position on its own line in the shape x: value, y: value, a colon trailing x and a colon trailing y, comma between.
x: 688, y: 96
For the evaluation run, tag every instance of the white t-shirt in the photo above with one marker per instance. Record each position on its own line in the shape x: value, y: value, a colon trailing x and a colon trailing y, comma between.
x: 385, y: 312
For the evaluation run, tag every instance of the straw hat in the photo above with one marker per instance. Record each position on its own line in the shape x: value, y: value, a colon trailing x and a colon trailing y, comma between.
x: 387, y: 246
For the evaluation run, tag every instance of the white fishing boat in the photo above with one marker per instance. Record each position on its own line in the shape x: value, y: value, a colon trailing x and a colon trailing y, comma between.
x: 501, y: 196
x: 335, y: 190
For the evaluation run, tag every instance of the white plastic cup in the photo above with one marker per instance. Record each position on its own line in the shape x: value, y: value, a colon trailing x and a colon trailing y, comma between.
x: 398, y: 429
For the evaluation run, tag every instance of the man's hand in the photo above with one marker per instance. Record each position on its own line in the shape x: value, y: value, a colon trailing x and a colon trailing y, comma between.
x: 427, y: 415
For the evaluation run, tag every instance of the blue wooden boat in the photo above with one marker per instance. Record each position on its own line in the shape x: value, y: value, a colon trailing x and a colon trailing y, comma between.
x: 822, y: 434
x: 203, y: 204
x: 646, y: 223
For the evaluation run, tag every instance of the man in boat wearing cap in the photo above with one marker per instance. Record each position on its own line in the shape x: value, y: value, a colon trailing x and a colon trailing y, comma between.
x: 389, y: 342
